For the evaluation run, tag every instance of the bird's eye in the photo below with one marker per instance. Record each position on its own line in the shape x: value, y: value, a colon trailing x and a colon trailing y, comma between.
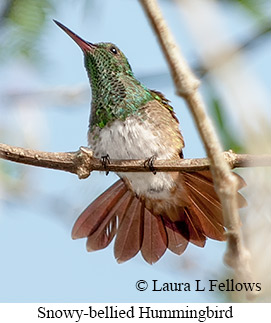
x: 113, y: 50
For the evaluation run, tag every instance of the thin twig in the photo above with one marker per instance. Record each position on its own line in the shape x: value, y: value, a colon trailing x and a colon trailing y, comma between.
x: 82, y: 162
x: 225, y: 183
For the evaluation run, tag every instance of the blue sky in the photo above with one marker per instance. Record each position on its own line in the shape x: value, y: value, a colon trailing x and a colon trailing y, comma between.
x: 39, y: 260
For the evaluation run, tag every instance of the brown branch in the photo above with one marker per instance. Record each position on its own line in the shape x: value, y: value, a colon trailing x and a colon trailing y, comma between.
x: 225, y: 183
x: 82, y: 162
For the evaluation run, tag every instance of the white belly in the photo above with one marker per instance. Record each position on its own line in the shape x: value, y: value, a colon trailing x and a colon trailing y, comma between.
x: 133, y: 140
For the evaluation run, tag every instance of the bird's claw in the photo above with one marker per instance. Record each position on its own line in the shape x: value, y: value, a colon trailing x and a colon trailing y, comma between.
x: 105, y: 160
x: 149, y: 163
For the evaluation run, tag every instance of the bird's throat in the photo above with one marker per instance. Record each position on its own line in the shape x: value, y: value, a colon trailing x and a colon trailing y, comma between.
x: 112, y: 101
x: 115, y: 96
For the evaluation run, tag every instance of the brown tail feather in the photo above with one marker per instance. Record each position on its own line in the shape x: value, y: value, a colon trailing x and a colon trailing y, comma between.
x: 210, y: 227
x: 204, y: 180
x: 119, y: 212
x: 177, y: 242
x: 95, y: 213
x: 205, y: 205
x: 129, y: 236
x: 107, y: 229
x: 187, y: 225
x: 196, y: 235
x: 155, y: 239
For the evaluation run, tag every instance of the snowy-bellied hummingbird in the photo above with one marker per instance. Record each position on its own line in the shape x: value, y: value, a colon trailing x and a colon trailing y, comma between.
x: 146, y: 212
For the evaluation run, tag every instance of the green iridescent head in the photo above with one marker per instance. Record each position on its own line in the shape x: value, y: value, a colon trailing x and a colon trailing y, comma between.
x: 100, y: 58
x: 115, y: 92
x: 106, y: 58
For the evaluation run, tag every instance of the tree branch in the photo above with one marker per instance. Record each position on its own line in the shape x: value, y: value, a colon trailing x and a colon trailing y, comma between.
x: 82, y: 162
x: 225, y: 183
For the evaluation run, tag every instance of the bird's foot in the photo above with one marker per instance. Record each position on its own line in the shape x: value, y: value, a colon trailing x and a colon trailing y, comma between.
x: 149, y: 163
x: 105, y: 160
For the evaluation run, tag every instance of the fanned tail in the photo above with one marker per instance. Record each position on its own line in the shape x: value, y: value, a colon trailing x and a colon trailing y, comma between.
x: 205, y: 208
x: 118, y: 211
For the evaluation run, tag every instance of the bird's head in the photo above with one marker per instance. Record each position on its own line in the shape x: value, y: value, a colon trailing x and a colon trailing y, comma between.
x: 101, y: 58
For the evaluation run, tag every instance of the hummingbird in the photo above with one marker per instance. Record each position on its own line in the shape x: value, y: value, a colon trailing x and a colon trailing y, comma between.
x: 144, y: 211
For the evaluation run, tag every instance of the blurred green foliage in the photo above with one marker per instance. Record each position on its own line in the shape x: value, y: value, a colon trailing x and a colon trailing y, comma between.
x: 21, y: 23
x: 260, y: 13
x: 258, y: 8
x: 230, y: 140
